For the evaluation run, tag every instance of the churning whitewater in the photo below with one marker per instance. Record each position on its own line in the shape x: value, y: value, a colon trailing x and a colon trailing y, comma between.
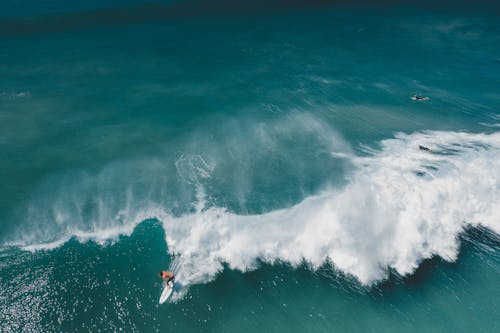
x: 401, y: 206
x: 398, y: 206
x: 268, y: 153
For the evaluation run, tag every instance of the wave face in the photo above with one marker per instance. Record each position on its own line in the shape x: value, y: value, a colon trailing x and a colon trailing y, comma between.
x: 398, y: 206
x: 401, y: 206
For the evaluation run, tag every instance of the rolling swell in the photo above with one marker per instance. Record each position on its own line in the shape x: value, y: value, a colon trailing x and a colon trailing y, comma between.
x: 152, y: 11
x: 147, y: 12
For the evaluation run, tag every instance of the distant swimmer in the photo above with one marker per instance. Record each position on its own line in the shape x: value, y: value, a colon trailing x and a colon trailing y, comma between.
x: 167, y: 276
x: 425, y: 149
x: 420, y: 98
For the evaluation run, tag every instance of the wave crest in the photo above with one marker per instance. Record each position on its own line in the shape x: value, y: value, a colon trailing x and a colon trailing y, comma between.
x: 401, y: 205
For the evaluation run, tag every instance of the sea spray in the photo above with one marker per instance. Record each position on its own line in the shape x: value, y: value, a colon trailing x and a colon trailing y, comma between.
x: 400, y: 206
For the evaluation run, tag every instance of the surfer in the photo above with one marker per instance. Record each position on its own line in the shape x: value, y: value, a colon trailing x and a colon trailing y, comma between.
x: 167, y: 276
x: 419, y: 98
x: 424, y: 148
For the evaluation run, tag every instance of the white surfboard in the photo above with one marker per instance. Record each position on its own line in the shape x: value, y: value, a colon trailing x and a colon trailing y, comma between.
x: 167, y: 291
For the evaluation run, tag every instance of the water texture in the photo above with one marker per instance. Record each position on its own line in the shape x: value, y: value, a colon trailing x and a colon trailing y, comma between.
x: 268, y: 153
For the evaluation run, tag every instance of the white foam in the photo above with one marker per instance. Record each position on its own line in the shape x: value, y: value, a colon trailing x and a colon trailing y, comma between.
x: 101, y: 236
x: 490, y: 124
x: 400, y: 206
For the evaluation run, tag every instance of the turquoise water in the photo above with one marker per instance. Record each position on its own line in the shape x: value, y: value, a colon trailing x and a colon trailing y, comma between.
x: 268, y: 154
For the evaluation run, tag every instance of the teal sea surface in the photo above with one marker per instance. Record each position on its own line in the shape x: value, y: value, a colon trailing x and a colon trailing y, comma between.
x: 269, y: 153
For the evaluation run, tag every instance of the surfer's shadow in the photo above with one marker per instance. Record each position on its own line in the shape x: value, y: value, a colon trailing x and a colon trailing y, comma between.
x: 177, y: 287
x: 179, y: 290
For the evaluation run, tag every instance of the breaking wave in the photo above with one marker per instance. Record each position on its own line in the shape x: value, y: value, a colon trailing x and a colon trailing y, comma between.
x: 399, y: 205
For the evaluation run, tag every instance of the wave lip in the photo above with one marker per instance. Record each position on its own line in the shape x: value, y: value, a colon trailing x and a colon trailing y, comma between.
x: 401, y: 205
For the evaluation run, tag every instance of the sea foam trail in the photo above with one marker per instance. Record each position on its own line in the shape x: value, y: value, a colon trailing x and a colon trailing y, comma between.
x: 400, y: 206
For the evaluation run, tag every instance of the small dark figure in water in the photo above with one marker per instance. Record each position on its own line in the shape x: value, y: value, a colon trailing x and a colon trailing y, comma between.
x: 419, y: 98
x: 425, y: 149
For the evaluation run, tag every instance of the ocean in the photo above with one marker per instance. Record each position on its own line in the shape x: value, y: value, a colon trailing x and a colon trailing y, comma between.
x: 269, y: 153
